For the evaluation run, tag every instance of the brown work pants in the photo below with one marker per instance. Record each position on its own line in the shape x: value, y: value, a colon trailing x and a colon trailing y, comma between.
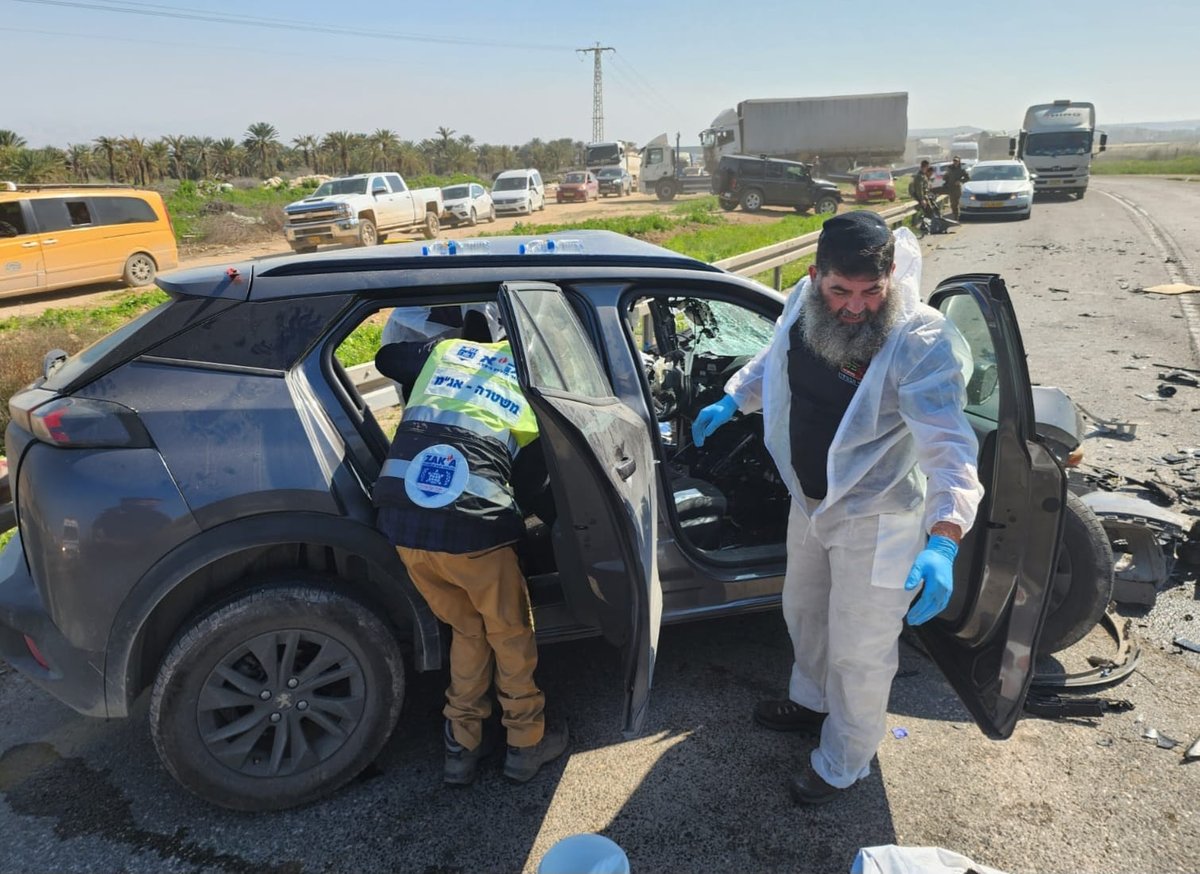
x: 483, y: 598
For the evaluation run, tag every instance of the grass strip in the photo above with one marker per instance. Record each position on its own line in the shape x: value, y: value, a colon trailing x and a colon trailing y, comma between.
x: 1187, y: 165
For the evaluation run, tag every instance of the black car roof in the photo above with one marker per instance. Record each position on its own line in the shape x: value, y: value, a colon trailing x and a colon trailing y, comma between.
x: 400, y: 264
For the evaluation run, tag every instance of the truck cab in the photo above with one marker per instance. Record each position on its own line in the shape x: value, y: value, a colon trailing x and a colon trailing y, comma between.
x: 1057, y: 143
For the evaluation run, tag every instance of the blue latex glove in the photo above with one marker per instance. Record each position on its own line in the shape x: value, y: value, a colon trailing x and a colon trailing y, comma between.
x: 713, y: 417
x: 934, y: 565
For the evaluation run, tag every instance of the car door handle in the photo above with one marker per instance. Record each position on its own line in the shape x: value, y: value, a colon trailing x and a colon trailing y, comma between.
x: 49, y: 242
x: 626, y: 467
x: 30, y: 245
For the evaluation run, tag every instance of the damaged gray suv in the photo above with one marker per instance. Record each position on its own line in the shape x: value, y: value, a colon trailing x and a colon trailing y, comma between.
x: 193, y: 497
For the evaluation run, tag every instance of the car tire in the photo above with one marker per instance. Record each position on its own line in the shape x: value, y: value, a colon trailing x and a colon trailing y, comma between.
x: 211, y: 684
x: 492, y: 213
x: 431, y: 227
x: 474, y: 219
x: 1028, y: 215
x: 1082, y: 582
x: 752, y: 199
x: 826, y: 205
x: 665, y: 190
x: 140, y: 270
x: 368, y: 235
x: 727, y: 204
x: 304, y: 250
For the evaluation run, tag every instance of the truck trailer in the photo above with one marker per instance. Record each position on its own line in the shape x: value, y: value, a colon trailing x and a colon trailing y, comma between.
x: 846, y: 131
x: 1057, y: 143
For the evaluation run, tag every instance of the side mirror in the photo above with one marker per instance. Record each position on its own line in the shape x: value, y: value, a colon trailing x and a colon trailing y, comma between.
x: 53, y: 360
x: 1103, y: 142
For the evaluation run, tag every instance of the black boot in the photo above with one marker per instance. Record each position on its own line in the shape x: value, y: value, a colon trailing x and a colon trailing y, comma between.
x: 523, y: 763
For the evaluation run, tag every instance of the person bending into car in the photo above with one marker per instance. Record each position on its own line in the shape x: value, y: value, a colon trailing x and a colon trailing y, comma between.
x: 862, y: 396
x: 447, y: 499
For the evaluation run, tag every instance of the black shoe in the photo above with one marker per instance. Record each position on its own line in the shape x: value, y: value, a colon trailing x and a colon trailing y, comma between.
x: 809, y: 788
x: 783, y: 714
x: 461, y: 763
x: 523, y: 763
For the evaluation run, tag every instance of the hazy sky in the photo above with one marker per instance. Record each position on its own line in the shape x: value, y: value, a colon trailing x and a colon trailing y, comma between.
x: 505, y: 71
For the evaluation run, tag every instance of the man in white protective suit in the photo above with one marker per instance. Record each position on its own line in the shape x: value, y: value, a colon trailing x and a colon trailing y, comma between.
x: 862, y: 394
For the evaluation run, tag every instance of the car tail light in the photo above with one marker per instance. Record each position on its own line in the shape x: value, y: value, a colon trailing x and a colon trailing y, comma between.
x: 77, y: 423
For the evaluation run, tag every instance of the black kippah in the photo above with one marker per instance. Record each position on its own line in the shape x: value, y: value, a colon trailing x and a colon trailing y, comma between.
x: 857, y: 230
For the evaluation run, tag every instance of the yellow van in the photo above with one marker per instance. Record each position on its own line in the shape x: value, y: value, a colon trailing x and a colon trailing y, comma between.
x: 57, y: 236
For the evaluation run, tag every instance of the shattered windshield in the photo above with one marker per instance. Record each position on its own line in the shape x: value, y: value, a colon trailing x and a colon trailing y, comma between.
x: 721, y: 328
x: 1052, y: 145
x: 341, y: 186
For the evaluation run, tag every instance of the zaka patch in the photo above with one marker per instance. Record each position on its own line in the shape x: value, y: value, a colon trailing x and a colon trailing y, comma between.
x: 437, y: 476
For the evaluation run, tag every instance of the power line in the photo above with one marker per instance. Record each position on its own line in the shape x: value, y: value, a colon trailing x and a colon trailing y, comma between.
x: 649, y: 86
x: 597, y: 91
x: 186, y: 14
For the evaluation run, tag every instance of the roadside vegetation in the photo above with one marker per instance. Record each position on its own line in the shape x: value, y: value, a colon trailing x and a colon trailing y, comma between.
x: 1185, y: 165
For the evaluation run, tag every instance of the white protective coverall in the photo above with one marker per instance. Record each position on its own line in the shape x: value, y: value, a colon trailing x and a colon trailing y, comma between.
x: 849, y: 554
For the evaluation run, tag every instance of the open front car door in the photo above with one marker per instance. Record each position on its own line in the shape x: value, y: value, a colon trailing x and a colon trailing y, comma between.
x: 985, y: 640
x: 602, y: 474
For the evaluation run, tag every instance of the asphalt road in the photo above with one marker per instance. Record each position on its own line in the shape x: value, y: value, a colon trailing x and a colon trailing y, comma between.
x: 703, y: 789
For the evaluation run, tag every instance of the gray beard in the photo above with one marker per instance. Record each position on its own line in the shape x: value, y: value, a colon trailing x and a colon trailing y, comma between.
x: 839, y: 344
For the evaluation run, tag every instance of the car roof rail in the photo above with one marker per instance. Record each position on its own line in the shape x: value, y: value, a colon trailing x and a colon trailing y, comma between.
x: 51, y: 186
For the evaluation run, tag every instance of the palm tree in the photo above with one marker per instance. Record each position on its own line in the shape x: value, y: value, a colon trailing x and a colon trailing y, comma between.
x: 158, y: 160
x: 262, y: 141
x: 179, y: 146
x: 409, y: 160
x: 307, y: 144
x: 134, y: 149
x: 383, y: 144
x: 443, y: 148
x: 79, y: 159
x: 341, y: 143
x: 203, y: 147
x: 37, y: 165
x: 11, y: 140
x: 227, y: 155
x: 108, y: 147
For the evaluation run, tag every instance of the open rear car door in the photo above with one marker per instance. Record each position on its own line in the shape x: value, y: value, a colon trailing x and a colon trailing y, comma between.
x: 986, y: 638
x: 602, y: 473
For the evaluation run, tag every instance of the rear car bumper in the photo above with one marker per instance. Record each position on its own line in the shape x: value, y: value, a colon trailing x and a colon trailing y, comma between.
x: 72, y: 675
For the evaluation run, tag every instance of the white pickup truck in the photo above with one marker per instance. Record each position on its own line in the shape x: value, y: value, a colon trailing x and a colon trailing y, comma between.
x: 361, y: 211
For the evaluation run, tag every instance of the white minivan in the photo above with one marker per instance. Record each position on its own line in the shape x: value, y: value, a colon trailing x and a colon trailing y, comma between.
x: 519, y: 191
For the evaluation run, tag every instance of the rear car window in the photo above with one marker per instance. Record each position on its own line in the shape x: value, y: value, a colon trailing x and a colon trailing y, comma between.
x: 122, y: 210
x: 61, y: 213
x: 78, y: 364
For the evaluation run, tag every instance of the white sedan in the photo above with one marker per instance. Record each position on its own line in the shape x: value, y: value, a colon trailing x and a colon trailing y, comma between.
x: 467, y: 204
x: 998, y: 188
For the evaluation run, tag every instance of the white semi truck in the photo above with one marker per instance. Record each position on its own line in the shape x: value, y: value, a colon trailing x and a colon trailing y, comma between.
x: 614, y: 154
x: 1057, y: 143
x: 665, y: 174
x: 846, y: 131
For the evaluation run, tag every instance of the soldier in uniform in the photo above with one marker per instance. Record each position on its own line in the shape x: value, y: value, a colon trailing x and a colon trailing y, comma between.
x: 956, y: 174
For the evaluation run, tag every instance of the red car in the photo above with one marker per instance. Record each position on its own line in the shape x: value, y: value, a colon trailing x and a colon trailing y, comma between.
x: 578, y: 185
x: 873, y: 183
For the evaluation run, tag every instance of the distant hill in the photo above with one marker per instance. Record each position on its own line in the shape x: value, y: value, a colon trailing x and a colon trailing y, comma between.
x: 1131, y: 132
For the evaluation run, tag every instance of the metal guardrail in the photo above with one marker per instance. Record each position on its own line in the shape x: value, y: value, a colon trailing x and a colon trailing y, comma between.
x: 777, y: 256
x: 377, y: 390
